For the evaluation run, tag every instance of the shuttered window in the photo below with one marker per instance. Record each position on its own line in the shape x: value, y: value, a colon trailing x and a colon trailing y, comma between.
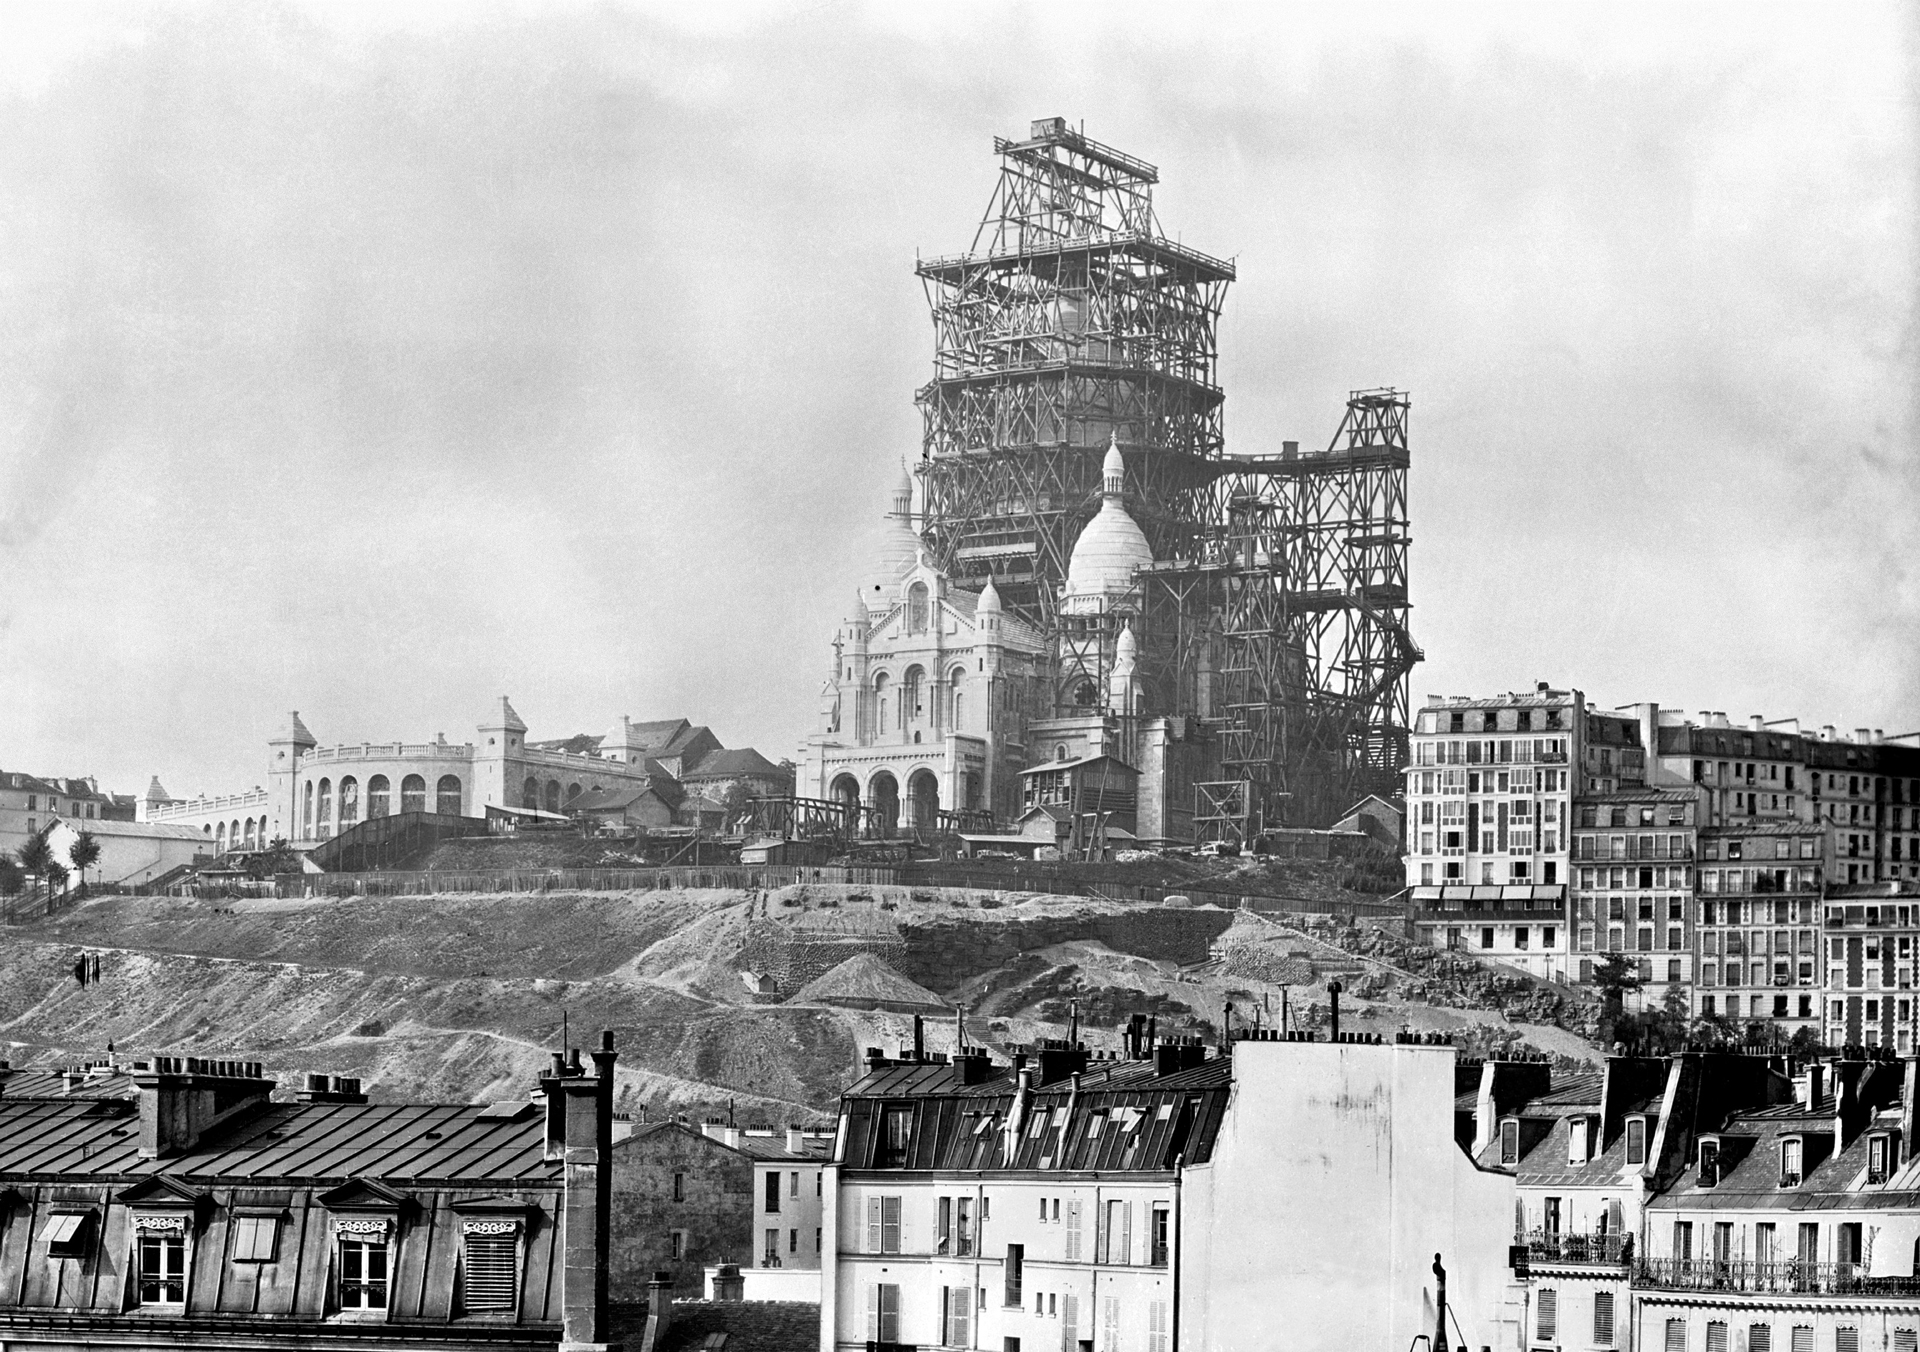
x: 253, y: 1238
x: 1846, y: 1338
x: 1603, y: 1318
x: 1069, y: 1323
x: 1676, y: 1335
x: 1159, y: 1326
x: 1760, y: 1338
x: 1110, y: 1324
x: 883, y: 1313
x: 492, y: 1271
x: 1903, y: 1340
x: 883, y: 1225
x: 1802, y: 1338
x: 1073, y: 1230
x: 1547, y: 1314
x: 1716, y: 1336
x: 957, y: 1316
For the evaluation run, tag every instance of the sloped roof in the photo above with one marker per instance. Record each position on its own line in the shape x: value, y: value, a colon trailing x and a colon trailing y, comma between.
x: 285, y: 1141
x: 742, y: 763
x: 863, y: 979
x: 1075, y: 764
x: 31, y: 783
x: 101, y: 826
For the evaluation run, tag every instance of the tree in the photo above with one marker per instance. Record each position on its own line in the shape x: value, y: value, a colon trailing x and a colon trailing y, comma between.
x: 11, y: 877
x: 84, y: 853
x: 36, y: 855
x: 57, y: 875
x: 1613, y: 976
x: 277, y: 858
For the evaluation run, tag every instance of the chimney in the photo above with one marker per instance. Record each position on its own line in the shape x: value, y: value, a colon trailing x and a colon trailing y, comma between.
x: 1826, y: 732
x: 182, y: 1101
x: 586, y: 1223
x: 1059, y: 1060
x: 974, y: 1066
x: 1863, y: 735
x: 919, y: 1040
x: 796, y: 1140
x: 331, y: 1089
x: 1333, y: 1006
x: 1759, y: 723
x: 1810, y: 1086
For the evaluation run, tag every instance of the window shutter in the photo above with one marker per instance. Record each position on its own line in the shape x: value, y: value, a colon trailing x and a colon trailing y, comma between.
x: 1157, y: 1326
x: 1760, y: 1338
x: 1125, y: 1255
x: 1073, y: 1229
x: 890, y: 1225
x: 1069, y: 1323
x: 1548, y: 1314
x: 1716, y: 1336
x: 960, y: 1304
x: 1802, y: 1338
x: 492, y: 1271
x: 873, y: 1225
x: 1846, y: 1338
x: 1603, y: 1318
x: 1903, y: 1341
x: 942, y: 1239
x: 1110, y: 1324
x: 1676, y: 1335
x: 873, y: 1309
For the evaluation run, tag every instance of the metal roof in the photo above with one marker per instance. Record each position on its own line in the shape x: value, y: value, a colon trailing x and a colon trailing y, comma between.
x: 80, y: 1137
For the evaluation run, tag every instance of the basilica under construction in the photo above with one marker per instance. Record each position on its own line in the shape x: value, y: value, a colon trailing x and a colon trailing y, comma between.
x: 1096, y: 620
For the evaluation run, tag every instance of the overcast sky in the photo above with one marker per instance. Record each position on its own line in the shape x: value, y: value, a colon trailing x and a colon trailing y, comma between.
x: 375, y: 361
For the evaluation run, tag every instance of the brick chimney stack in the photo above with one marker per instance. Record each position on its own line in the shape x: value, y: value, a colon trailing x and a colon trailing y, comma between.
x: 182, y: 1100
x: 585, y: 1122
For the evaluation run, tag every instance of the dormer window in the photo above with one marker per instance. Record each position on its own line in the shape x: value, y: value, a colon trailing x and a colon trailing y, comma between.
x: 160, y: 1251
x: 1636, y: 1140
x: 69, y: 1233
x: 1510, y: 1142
x: 1577, y: 1140
x: 1879, y: 1158
x: 1790, y: 1162
x: 1709, y: 1163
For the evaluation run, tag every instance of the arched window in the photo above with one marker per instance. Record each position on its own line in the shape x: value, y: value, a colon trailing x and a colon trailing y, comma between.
x: 956, y: 679
x: 413, y: 794
x: 573, y: 792
x: 378, y: 797
x: 880, y: 724
x: 530, y: 794
x: 553, y: 795
x: 883, y: 794
x: 326, y: 808
x: 923, y: 799
x: 1060, y: 753
x: 349, y: 801
x: 846, y: 792
x: 447, y: 795
x: 306, y: 815
x: 917, y: 608
x: 248, y: 825
x: 912, y: 695
x: 220, y: 839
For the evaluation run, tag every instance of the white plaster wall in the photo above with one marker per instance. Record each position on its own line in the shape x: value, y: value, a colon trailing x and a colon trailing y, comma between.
x: 1334, y: 1182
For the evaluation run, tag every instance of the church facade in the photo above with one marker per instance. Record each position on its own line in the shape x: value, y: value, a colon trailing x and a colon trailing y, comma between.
x: 939, y: 698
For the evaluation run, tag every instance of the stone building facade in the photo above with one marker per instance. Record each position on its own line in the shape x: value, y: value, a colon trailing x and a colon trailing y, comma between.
x: 313, y: 792
x: 938, y: 697
x: 681, y: 1201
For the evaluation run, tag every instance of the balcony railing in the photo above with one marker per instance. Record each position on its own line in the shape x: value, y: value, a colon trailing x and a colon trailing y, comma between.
x: 1554, y: 1246
x: 1792, y: 1275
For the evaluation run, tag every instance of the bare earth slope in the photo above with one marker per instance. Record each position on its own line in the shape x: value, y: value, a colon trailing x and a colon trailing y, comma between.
x: 460, y: 997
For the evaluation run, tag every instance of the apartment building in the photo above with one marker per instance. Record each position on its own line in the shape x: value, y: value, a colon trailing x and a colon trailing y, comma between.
x: 29, y: 804
x: 1162, y: 1199
x: 180, y: 1206
x: 1633, y: 881
x: 1489, y: 790
x: 1870, y: 934
x: 789, y: 1190
x: 1760, y: 919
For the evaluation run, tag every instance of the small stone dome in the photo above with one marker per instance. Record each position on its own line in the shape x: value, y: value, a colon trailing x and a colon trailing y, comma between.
x: 989, y: 603
x: 899, y: 548
x: 1112, y: 545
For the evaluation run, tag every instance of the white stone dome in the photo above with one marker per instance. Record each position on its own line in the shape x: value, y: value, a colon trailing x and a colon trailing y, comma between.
x: 989, y: 603
x: 899, y: 548
x: 1112, y: 545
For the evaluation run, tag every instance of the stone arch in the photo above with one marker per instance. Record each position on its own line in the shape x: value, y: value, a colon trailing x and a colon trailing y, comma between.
x: 413, y: 794
x: 553, y: 795
x: 880, y: 703
x: 845, y: 791
x: 956, y: 697
x: 883, y: 797
x: 917, y: 608
x: 573, y: 792
x: 923, y: 799
x: 349, y: 801
x: 530, y: 794
x: 447, y: 796
x: 220, y: 839
x: 379, y: 797
x: 233, y: 836
x: 306, y: 814
x: 249, y: 828
x: 326, y: 808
